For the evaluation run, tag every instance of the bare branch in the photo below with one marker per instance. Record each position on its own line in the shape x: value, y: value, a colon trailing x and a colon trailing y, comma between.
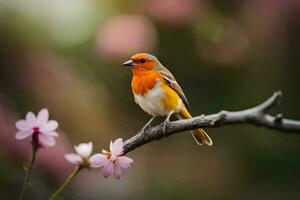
x: 257, y: 116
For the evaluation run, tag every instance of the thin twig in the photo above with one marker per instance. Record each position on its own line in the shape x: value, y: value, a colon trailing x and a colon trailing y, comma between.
x: 28, y: 171
x: 66, y: 183
x: 256, y: 115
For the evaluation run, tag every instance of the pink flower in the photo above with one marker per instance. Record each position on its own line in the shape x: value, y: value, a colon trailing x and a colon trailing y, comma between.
x: 113, y: 163
x: 40, y: 128
x: 82, y: 155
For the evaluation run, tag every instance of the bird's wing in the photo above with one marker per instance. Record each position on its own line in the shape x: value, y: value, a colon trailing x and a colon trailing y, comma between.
x: 171, y: 81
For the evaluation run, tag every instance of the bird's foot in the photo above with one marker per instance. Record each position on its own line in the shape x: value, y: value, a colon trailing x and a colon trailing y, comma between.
x: 143, y: 133
x: 165, y: 123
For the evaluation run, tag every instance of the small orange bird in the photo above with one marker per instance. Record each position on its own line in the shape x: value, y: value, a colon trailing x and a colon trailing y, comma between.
x: 157, y: 92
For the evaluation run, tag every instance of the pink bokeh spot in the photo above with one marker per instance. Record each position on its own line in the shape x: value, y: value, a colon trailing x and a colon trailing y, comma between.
x: 123, y: 35
x: 172, y: 12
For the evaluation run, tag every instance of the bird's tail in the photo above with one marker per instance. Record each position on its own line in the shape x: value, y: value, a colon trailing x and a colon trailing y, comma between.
x: 199, y: 134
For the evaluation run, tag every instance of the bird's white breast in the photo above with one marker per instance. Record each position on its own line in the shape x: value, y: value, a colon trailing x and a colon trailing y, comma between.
x: 151, y: 102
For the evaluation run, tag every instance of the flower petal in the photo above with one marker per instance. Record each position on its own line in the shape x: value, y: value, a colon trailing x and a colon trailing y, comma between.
x: 117, y: 172
x: 117, y: 147
x: 47, y: 141
x: 42, y: 117
x: 22, y: 125
x: 51, y: 133
x: 108, y: 169
x: 111, y: 146
x: 98, y: 160
x: 124, y: 162
x: 31, y: 119
x: 74, y: 158
x: 21, y: 135
x: 50, y: 126
x: 84, y: 149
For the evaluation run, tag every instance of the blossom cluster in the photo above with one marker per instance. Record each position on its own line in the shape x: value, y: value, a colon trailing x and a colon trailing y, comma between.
x: 113, y: 162
x: 42, y: 133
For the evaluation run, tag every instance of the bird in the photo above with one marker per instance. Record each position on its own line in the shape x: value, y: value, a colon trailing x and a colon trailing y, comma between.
x: 157, y: 92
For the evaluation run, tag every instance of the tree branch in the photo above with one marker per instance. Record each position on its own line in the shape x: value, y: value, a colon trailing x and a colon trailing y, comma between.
x: 257, y: 116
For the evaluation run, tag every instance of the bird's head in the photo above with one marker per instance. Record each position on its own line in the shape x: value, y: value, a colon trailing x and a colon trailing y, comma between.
x: 143, y: 62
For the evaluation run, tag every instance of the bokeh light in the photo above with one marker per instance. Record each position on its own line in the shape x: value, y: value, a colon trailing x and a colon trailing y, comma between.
x: 172, y: 12
x: 123, y: 35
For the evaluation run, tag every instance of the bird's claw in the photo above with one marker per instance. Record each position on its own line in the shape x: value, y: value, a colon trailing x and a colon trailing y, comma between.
x: 143, y: 133
x: 165, y: 126
x: 144, y: 128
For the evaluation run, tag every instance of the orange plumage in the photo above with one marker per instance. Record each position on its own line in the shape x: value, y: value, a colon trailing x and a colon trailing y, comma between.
x: 142, y: 82
x: 157, y: 92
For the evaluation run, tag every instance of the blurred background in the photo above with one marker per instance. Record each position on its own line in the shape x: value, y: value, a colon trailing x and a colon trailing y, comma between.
x: 66, y: 55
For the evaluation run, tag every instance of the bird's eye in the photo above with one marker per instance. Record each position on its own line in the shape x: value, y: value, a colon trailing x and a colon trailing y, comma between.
x: 142, y: 60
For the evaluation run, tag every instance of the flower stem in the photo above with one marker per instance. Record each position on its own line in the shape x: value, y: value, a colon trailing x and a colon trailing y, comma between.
x: 66, y: 183
x: 28, y: 171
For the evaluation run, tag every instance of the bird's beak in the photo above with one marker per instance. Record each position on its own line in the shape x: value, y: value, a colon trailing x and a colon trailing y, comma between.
x: 128, y: 63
